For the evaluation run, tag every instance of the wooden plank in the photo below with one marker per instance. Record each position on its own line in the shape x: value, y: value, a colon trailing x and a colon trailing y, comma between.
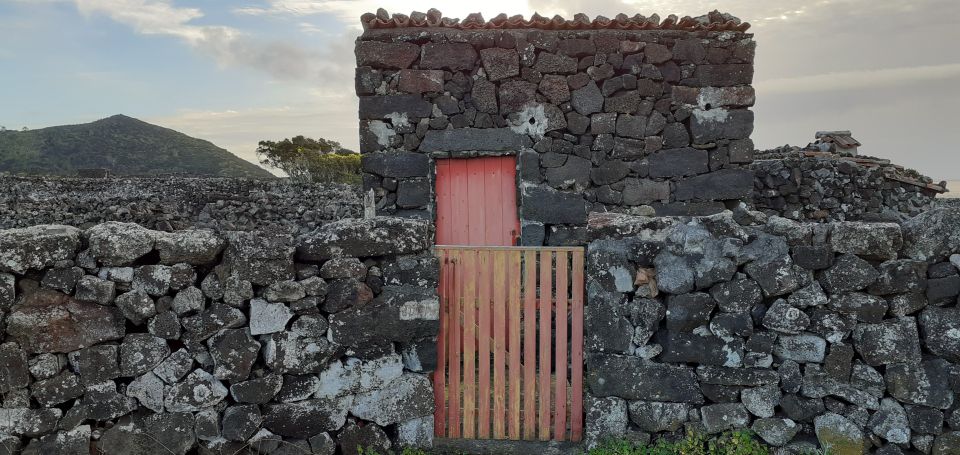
x: 439, y: 374
x: 545, y: 285
x: 476, y: 227
x: 444, y: 206
x: 560, y: 350
x: 514, y: 312
x: 484, y: 305
x: 500, y: 285
x: 529, y: 345
x: 454, y: 336
x: 459, y: 200
x: 509, y: 186
x: 494, y: 226
x: 469, y: 344
x: 576, y: 348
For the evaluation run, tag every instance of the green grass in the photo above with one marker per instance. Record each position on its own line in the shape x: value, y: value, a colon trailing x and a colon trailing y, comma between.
x: 730, y: 443
x: 740, y: 442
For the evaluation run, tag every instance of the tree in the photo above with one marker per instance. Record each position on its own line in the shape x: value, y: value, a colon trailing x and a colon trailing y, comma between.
x: 311, y: 160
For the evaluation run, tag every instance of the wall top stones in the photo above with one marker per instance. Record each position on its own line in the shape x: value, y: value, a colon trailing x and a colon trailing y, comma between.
x: 713, y: 21
x: 176, y: 203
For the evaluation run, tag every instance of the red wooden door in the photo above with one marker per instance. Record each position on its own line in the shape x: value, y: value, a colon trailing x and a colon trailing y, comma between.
x: 477, y: 201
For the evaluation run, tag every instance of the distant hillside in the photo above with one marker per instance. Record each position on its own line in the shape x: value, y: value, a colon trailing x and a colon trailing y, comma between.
x: 124, y: 145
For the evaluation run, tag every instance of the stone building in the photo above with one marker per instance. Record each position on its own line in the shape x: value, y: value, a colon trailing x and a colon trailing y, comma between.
x: 631, y: 114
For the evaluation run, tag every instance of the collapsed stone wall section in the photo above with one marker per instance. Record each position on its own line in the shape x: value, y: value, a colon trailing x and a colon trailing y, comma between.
x: 828, y: 189
x: 128, y: 339
x: 637, y: 121
x: 840, y: 335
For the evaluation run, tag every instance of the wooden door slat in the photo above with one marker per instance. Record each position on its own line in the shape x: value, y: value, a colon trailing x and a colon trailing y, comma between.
x: 576, y: 348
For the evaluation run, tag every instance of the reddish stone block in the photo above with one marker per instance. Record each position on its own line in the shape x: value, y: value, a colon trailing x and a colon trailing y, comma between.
x: 386, y: 55
x: 421, y: 81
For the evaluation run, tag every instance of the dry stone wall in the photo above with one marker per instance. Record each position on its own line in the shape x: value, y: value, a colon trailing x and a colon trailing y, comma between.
x: 125, y: 339
x: 637, y: 121
x: 841, y: 335
x: 829, y: 189
x: 175, y: 203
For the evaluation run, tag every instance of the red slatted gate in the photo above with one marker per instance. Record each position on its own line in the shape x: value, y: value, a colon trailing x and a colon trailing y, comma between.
x: 510, y: 348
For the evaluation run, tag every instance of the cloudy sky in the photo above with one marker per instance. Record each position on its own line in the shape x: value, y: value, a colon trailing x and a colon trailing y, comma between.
x: 238, y: 71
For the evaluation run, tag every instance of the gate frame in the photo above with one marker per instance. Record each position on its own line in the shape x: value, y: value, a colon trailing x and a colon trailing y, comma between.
x: 510, y: 294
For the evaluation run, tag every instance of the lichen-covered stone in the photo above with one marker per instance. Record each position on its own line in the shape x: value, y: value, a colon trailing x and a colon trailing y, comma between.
x: 941, y: 331
x: 266, y: 317
x: 119, y: 244
x: 307, y: 418
x: 194, y: 247
x: 197, y: 391
x: 775, y: 431
x: 233, y: 353
x: 402, y: 399
x: 889, y: 342
x: 656, y: 416
x: 717, y: 418
x: 364, y: 238
x: 839, y: 435
x: 873, y: 240
x: 36, y: 247
x: 141, y: 352
x: 136, y: 306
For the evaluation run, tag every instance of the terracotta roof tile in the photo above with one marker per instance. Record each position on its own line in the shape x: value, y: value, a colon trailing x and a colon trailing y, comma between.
x: 714, y: 21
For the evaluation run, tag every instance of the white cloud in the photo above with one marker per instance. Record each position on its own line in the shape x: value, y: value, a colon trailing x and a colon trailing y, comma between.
x: 349, y: 11
x: 859, y: 80
x: 238, y: 130
x: 227, y: 45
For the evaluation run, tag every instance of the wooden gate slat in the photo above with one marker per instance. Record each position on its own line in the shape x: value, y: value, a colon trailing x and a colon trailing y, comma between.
x: 546, y: 307
x: 576, y: 348
x: 439, y: 375
x: 513, y: 282
x: 530, y: 345
x: 499, y: 348
x: 484, y: 286
x: 469, y: 344
x: 560, y: 349
x: 454, y: 336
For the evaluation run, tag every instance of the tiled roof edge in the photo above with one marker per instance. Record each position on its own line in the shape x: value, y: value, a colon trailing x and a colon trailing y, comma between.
x: 713, y: 21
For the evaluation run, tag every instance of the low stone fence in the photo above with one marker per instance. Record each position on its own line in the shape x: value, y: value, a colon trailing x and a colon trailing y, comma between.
x: 846, y: 333
x: 134, y: 340
x: 176, y: 203
x: 830, y: 189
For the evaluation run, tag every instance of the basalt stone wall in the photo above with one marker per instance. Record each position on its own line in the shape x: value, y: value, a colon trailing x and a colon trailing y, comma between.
x: 844, y: 335
x: 175, y: 203
x: 123, y: 340
x: 828, y: 189
x: 636, y: 121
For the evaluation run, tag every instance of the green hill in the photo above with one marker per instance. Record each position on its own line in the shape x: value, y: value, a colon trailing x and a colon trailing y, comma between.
x: 121, y: 144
